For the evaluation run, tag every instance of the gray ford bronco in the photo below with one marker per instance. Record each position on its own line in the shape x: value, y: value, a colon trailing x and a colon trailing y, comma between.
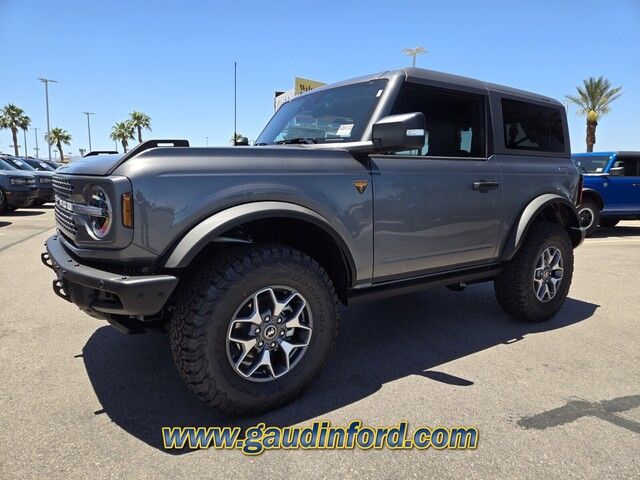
x: 376, y: 186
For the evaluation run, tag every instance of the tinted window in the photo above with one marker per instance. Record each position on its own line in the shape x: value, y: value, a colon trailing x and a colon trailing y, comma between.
x: 627, y: 167
x: 454, y: 121
x: 528, y: 126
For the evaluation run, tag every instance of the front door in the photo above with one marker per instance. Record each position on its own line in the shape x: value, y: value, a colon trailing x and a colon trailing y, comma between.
x: 440, y: 206
x: 623, y: 185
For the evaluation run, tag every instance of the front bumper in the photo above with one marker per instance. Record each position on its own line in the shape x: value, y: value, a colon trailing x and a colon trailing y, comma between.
x: 105, y: 294
x: 21, y: 198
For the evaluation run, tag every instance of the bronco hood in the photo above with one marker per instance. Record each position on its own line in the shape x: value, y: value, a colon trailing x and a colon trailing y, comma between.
x: 93, y: 165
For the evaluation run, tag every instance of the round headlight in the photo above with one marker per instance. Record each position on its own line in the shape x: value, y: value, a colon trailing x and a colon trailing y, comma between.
x: 99, y: 225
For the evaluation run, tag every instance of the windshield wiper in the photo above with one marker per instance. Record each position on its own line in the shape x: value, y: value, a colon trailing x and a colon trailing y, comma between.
x: 306, y: 140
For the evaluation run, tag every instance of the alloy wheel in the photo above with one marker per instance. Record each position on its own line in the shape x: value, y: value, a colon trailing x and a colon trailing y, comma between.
x: 548, y: 273
x: 269, y: 333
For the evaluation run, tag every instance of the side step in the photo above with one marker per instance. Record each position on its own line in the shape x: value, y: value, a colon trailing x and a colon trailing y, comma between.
x: 402, y: 287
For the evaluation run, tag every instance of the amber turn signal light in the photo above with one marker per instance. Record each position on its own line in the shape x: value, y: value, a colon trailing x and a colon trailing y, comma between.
x: 127, y: 210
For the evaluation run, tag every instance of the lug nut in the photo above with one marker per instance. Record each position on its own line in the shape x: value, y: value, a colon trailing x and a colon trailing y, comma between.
x: 258, y: 330
x: 282, y: 332
x: 272, y: 344
x: 267, y: 318
x: 279, y: 320
x: 260, y: 343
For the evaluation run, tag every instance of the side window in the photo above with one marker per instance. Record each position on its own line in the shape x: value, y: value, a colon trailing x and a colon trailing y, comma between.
x: 528, y: 126
x: 627, y: 167
x: 454, y: 121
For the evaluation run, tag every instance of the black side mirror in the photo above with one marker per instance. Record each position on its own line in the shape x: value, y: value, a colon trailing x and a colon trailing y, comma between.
x: 405, y: 131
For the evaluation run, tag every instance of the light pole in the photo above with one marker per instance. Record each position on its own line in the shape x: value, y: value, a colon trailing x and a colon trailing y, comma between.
x: 46, y: 82
x: 89, y: 126
x: 235, y: 102
x: 413, y: 52
x: 26, y: 152
x: 36, y: 137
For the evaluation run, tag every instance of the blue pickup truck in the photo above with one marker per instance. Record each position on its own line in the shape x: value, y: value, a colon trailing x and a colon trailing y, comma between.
x: 611, y: 188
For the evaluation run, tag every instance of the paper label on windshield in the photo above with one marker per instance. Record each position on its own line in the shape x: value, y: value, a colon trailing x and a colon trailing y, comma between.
x: 344, y: 130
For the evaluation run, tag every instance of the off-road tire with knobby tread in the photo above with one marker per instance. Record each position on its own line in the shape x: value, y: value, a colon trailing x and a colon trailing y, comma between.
x: 205, y: 304
x: 514, y: 288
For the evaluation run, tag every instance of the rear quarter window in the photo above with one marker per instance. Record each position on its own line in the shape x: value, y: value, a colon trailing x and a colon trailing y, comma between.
x: 532, y: 127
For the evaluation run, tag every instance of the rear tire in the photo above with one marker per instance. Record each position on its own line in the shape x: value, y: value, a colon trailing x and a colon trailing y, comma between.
x: 609, y: 222
x: 206, y: 313
x: 518, y: 286
x: 589, y: 214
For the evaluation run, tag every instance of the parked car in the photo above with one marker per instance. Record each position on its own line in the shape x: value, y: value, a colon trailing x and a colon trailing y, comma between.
x: 611, y: 188
x: 51, y: 163
x: 38, y: 164
x: 376, y: 186
x: 44, y: 179
x: 17, y: 188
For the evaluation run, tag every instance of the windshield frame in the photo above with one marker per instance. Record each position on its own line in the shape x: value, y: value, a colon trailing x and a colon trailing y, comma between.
x: 365, y: 129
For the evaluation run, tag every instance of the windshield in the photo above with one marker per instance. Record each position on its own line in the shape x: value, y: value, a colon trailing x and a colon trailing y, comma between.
x: 20, y: 165
x: 337, y: 114
x: 6, y: 165
x: 591, y: 164
x: 40, y: 165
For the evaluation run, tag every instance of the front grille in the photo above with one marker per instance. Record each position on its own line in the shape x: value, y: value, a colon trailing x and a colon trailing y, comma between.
x: 66, y: 218
x: 62, y: 188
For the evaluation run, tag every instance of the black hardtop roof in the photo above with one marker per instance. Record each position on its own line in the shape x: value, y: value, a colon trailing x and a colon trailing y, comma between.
x: 417, y: 74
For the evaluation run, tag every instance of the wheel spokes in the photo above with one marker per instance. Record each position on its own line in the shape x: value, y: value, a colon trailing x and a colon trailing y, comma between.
x: 547, y: 274
x: 269, y: 333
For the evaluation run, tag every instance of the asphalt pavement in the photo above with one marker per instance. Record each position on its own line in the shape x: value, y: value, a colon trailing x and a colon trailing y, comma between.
x: 556, y: 400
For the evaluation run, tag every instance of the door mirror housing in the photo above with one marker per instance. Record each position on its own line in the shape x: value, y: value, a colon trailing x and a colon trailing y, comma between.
x: 405, y: 131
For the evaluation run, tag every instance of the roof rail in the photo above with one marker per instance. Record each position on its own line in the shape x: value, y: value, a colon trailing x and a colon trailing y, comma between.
x: 146, y: 146
x: 99, y: 152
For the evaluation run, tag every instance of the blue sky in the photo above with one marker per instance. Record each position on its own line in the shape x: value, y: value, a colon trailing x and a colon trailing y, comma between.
x: 174, y: 59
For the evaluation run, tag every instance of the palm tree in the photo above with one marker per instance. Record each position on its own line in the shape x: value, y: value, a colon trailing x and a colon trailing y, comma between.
x: 594, y: 99
x: 139, y: 121
x: 122, y: 132
x: 58, y: 137
x: 13, y: 118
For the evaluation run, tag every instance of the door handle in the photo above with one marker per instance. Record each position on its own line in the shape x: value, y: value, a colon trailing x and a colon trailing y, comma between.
x: 484, y: 185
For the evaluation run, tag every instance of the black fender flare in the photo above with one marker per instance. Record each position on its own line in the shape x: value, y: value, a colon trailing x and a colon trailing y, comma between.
x: 209, y: 229
x: 593, y: 193
x: 561, y: 206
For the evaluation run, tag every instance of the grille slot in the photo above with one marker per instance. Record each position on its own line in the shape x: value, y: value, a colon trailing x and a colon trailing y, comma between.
x: 62, y: 188
x: 66, y: 219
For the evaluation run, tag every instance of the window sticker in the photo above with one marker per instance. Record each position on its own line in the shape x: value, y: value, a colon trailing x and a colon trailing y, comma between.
x: 344, y: 130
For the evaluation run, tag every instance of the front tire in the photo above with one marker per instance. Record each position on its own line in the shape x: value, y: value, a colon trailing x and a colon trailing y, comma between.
x: 534, y: 284
x: 589, y: 215
x: 253, y: 326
